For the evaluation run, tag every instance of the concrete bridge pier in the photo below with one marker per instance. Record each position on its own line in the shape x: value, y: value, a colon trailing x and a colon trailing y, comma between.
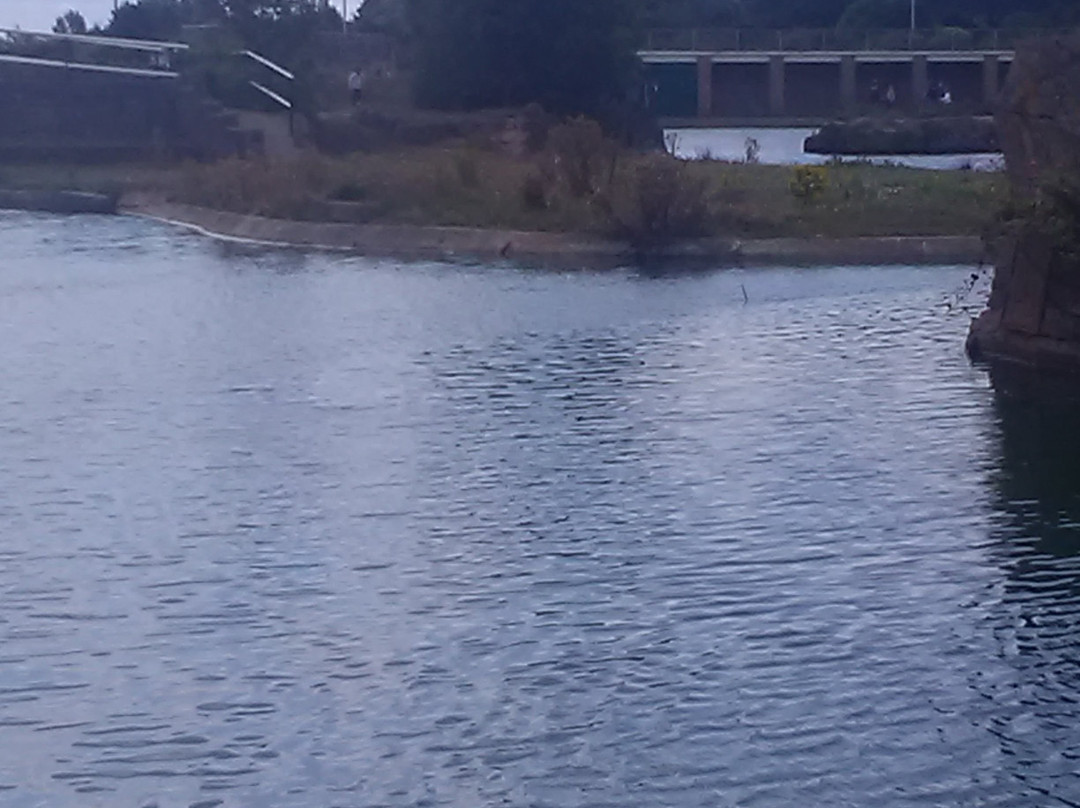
x: 704, y: 86
x: 849, y: 92
x: 813, y: 86
x: 991, y: 76
x: 920, y: 81
x: 777, y: 94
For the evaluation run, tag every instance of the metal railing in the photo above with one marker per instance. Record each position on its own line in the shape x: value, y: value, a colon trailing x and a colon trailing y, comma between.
x: 277, y: 70
x: 832, y: 39
x: 90, y: 52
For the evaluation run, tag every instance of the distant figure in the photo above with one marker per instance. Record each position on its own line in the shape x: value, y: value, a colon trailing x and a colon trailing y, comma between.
x: 356, y: 86
x: 875, y: 92
x: 946, y: 96
x: 650, y: 89
x: 890, y: 95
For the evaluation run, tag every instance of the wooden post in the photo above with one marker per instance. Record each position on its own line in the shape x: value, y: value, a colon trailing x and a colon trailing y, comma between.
x: 704, y: 87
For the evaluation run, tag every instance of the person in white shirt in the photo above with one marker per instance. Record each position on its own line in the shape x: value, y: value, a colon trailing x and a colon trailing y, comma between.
x: 356, y: 86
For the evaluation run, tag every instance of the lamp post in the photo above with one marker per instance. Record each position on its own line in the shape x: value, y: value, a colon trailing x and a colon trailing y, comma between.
x: 912, y: 15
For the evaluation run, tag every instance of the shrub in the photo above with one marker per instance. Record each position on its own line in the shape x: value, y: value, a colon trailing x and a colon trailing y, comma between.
x: 809, y: 183
x: 584, y: 157
x: 664, y: 202
x: 534, y: 193
x: 349, y: 192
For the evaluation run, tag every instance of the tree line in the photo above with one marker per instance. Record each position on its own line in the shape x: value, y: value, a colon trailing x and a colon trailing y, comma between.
x: 571, y: 56
x: 277, y: 28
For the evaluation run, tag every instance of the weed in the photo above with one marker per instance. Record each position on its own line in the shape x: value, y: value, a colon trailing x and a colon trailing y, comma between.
x: 584, y: 157
x: 809, y: 183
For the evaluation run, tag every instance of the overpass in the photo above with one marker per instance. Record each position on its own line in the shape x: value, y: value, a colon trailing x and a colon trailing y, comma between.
x: 702, y: 77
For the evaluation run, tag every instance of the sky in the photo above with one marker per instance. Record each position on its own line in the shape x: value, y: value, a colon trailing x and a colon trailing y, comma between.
x: 38, y: 15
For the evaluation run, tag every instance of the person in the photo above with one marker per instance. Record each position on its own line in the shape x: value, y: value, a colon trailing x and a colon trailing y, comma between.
x: 356, y: 86
x: 890, y: 95
x: 946, y: 96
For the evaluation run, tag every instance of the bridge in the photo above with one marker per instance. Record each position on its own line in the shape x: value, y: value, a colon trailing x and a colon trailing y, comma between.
x: 708, y: 77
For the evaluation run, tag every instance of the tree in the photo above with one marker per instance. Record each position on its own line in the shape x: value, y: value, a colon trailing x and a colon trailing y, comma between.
x: 72, y: 22
x: 147, y: 19
x: 572, y: 57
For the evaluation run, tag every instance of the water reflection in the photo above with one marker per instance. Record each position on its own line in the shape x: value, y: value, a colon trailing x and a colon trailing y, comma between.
x: 1036, y: 620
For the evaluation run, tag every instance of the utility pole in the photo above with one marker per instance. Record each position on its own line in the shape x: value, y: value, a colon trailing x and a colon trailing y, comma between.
x: 912, y: 15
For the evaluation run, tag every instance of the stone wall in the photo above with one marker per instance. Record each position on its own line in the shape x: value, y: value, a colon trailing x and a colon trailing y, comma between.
x: 1039, y: 113
x: 1033, y: 315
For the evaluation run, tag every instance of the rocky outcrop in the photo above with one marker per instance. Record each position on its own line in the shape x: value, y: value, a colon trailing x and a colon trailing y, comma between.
x: 1039, y: 114
x: 1033, y: 315
x: 877, y: 136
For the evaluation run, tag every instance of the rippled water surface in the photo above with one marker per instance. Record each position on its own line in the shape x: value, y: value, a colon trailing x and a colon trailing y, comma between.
x: 312, y: 531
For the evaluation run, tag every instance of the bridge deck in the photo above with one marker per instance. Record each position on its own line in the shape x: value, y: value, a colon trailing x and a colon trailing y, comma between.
x: 821, y: 56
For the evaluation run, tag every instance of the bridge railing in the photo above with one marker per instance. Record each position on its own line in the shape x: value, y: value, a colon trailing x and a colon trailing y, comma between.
x: 832, y: 39
x: 93, y: 52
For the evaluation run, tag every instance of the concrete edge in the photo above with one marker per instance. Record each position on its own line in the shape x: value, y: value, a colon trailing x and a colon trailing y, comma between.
x: 57, y: 201
x: 463, y: 243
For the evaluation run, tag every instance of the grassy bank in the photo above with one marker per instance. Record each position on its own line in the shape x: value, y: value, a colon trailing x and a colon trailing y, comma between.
x: 603, y: 193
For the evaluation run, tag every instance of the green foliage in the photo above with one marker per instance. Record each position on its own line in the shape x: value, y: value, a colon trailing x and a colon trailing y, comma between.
x: 571, y: 57
x: 148, y: 19
x: 862, y: 14
x: 71, y: 22
x: 809, y: 183
x: 279, y: 29
x: 1054, y: 215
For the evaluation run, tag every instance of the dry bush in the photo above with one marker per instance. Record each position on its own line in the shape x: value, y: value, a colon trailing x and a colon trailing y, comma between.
x: 664, y: 201
x: 278, y: 188
x: 534, y: 193
x: 585, y: 159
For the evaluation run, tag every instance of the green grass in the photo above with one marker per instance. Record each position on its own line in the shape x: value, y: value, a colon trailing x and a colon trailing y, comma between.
x: 469, y: 186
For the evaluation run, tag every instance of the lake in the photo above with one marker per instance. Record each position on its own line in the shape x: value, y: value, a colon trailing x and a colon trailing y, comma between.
x: 293, y: 530
x: 784, y: 146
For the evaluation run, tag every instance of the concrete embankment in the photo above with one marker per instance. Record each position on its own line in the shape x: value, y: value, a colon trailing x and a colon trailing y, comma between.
x: 57, y: 201
x: 565, y: 249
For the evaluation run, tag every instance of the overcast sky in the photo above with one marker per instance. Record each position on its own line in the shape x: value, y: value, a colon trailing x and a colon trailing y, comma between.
x: 38, y: 15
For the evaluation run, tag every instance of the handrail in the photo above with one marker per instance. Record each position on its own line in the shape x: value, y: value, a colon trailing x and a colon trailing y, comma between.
x: 271, y: 94
x: 125, y: 71
x: 106, y: 41
x: 834, y: 39
x: 281, y: 71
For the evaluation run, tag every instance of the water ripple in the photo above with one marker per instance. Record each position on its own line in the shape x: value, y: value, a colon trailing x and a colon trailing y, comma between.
x: 305, y: 530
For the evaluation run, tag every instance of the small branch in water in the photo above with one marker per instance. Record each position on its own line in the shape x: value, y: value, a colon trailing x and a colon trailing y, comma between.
x: 745, y: 297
